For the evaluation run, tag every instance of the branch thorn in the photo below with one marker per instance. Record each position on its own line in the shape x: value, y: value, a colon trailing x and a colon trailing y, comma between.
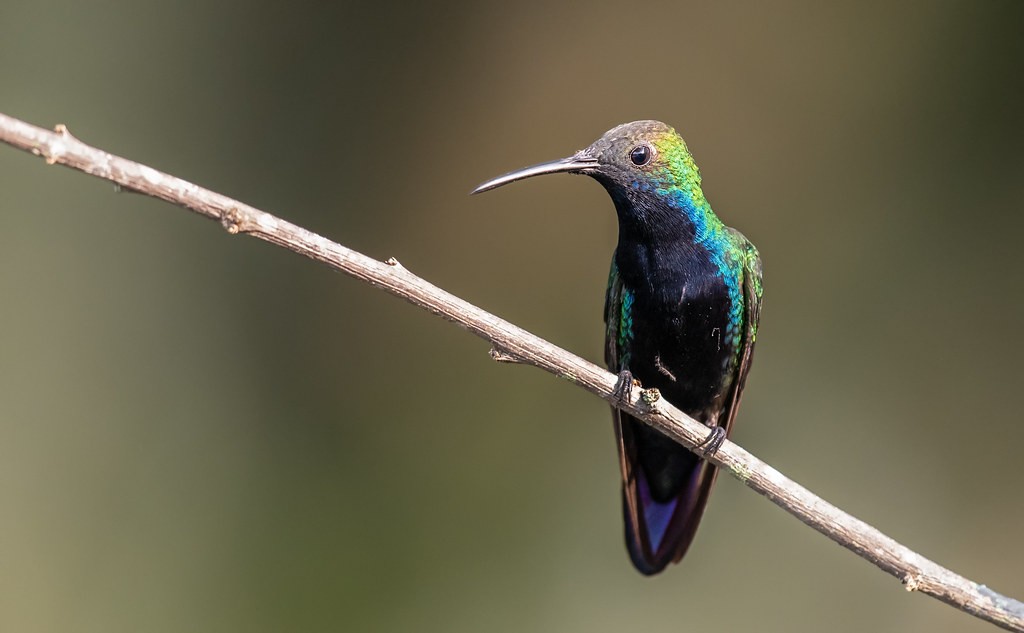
x: 231, y: 220
x: 502, y: 356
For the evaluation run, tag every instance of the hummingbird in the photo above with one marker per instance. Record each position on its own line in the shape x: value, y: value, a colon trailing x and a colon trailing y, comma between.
x: 681, y: 312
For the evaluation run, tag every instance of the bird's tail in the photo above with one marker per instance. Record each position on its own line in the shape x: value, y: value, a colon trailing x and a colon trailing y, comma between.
x: 659, y: 531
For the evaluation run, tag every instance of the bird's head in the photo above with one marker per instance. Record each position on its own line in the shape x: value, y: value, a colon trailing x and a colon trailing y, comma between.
x: 646, y: 168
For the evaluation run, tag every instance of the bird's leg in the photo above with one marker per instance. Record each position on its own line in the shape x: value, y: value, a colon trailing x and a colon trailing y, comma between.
x: 710, y: 444
x: 623, y: 390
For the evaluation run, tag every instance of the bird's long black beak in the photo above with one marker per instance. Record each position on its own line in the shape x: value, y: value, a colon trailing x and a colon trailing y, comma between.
x: 573, y: 165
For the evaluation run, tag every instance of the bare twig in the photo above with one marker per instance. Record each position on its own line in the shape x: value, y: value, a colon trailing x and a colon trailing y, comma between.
x: 511, y: 343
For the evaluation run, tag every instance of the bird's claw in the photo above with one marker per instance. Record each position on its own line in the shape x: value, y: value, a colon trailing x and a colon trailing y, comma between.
x: 623, y: 391
x: 710, y: 444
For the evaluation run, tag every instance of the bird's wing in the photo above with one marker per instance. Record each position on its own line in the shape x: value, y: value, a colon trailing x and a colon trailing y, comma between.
x: 752, y: 314
x: 612, y: 356
x: 612, y: 316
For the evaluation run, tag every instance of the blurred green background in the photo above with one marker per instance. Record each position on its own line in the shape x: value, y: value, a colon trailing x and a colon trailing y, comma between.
x: 205, y: 433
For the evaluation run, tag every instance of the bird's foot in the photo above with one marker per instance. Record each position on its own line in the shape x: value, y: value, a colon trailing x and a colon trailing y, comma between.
x: 623, y: 391
x: 710, y: 444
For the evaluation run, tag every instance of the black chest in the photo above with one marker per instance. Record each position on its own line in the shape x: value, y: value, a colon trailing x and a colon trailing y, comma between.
x: 679, y: 312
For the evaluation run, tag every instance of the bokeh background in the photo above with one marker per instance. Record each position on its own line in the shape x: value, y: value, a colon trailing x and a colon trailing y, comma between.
x: 201, y: 432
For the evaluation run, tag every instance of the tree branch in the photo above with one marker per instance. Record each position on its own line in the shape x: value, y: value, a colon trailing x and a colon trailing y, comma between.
x: 513, y: 344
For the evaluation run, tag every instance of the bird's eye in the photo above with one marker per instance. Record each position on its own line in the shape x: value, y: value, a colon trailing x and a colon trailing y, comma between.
x: 640, y: 155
